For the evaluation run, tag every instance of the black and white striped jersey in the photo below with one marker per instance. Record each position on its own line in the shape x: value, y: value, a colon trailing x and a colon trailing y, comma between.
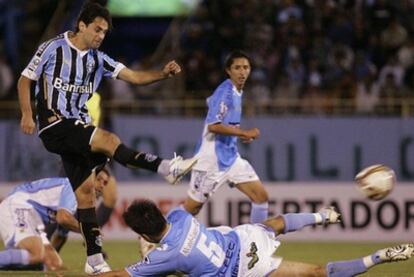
x: 65, y: 79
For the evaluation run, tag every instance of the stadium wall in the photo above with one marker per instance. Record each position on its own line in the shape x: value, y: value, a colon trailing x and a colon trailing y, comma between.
x: 391, y: 219
x: 289, y: 149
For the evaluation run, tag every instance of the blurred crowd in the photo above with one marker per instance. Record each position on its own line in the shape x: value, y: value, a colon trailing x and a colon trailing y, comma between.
x: 325, y: 53
x: 309, y: 56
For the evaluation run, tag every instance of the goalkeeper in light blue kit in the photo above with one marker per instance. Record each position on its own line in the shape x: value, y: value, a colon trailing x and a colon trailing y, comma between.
x: 188, y: 247
x: 23, y: 216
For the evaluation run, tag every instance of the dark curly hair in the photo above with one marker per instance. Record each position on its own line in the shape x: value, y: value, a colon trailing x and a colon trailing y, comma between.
x: 235, y: 55
x: 144, y: 217
x: 90, y: 11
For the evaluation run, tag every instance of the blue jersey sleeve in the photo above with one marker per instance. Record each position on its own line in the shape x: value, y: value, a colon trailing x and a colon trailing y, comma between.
x: 218, y: 105
x: 67, y: 198
x: 157, y: 263
x: 177, y: 214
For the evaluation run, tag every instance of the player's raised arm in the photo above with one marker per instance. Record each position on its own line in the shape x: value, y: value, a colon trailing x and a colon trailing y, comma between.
x: 147, y: 77
x: 27, y: 123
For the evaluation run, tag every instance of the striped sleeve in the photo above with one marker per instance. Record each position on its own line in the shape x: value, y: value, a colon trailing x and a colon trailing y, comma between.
x: 111, y: 68
x: 35, y: 67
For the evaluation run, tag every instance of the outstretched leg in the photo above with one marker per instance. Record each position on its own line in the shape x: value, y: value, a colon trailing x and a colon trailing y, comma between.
x: 259, y: 198
x: 295, y: 221
x: 397, y: 253
x: 345, y: 268
x: 297, y: 269
x: 109, y: 144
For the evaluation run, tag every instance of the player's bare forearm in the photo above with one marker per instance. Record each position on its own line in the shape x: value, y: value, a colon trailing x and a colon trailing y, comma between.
x: 228, y: 130
x: 148, y: 77
x: 26, y: 123
x: 118, y: 273
x: 23, y: 87
x: 142, y: 77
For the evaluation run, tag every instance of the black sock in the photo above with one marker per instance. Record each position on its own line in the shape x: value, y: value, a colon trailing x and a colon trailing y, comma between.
x: 103, y: 213
x: 131, y: 158
x: 50, y: 229
x: 90, y: 230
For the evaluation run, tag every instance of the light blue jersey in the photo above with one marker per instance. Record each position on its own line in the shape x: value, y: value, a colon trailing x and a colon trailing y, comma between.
x: 190, y: 248
x: 224, y: 106
x: 47, y: 196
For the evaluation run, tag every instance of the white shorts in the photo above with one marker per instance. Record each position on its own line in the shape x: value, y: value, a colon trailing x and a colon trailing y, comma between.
x: 204, y: 183
x: 19, y: 220
x: 257, y: 250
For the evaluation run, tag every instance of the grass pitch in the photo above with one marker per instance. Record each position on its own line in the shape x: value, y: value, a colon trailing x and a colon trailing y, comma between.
x: 122, y: 253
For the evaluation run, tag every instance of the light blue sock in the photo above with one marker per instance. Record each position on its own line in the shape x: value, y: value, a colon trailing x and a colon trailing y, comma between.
x: 14, y: 257
x: 296, y: 221
x: 259, y: 212
x: 345, y: 268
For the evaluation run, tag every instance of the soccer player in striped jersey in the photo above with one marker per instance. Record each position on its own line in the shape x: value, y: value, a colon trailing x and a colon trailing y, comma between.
x: 219, y: 162
x: 23, y: 216
x: 65, y: 72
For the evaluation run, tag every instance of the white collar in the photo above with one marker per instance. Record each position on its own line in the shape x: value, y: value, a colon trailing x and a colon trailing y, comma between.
x: 238, y: 92
x: 81, y: 52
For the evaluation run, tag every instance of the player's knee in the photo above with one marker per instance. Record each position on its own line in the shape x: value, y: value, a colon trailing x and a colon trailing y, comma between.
x: 37, y: 257
x: 113, y: 139
x: 319, y: 271
x: 196, y: 210
x: 193, y: 209
x: 108, y: 139
x: 260, y: 196
x: 105, y: 141
x: 53, y: 263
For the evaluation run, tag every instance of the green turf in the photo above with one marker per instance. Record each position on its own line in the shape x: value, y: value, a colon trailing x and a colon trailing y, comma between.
x: 122, y: 253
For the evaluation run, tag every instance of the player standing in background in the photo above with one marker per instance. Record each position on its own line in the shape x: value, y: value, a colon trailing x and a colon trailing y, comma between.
x: 23, y: 216
x: 188, y: 247
x: 66, y: 71
x: 219, y: 161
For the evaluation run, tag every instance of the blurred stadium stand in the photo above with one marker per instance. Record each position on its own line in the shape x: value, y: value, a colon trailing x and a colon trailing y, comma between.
x: 309, y: 57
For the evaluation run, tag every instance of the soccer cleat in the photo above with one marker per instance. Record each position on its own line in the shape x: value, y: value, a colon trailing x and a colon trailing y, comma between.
x: 396, y: 253
x: 329, y: 215
x: 178, y: 168
x: 97, y: 269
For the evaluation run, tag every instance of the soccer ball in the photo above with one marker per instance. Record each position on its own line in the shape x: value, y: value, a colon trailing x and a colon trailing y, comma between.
x: 376, y: 181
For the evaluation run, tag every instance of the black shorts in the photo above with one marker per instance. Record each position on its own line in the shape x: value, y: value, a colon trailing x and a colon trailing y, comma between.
x: 70, y: 139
